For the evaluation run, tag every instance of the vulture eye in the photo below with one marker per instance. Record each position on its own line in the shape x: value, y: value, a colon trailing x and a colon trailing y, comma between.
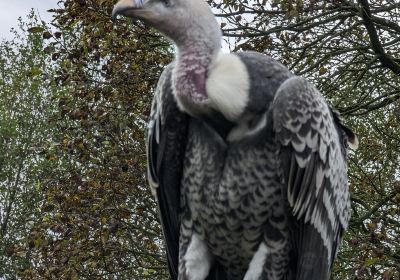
x: 167, y: 3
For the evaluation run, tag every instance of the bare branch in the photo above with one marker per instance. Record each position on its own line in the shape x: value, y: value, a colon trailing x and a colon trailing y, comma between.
x: 385, y: 59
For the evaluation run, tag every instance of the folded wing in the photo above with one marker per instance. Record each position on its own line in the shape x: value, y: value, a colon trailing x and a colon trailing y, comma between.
x: 313, y: 162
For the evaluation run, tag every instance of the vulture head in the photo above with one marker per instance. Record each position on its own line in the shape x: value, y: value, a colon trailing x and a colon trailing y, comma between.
x: 200, y: 85
x: 180, y: 20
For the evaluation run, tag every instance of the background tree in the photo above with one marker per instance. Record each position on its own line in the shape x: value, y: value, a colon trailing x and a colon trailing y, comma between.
x: 98, y: 217
x: 25, y: 107
x: 92, y: 214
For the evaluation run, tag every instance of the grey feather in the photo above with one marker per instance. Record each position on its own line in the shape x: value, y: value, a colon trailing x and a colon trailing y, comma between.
x: 165, y: 140
x: 285, y: 185
x: 316, y: 170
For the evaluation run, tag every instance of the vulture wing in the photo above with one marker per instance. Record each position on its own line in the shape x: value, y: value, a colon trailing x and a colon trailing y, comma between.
x: 166, y: 145
x: 166, y: 142
x: 313, y: 162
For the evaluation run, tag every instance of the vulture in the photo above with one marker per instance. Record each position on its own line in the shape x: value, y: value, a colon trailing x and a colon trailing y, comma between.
x: 247, y: 161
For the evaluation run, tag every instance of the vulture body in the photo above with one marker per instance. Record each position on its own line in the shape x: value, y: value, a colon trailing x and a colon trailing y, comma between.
x: 247, y: 161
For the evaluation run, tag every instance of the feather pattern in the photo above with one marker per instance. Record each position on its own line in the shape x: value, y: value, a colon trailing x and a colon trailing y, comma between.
x: 314, y: 162
x: 165, y: 145
x: 281, y: 183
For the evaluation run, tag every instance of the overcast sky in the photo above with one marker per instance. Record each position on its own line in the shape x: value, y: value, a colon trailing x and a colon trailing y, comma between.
x: 11, y: 10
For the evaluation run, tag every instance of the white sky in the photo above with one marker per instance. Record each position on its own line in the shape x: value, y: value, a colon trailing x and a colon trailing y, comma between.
x: 11, y: 10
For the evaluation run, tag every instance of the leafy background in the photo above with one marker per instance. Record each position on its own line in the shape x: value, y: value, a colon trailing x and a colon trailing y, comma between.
x: 74, y: 100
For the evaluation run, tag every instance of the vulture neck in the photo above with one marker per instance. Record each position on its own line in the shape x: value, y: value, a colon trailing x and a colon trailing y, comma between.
x: 193, y: 59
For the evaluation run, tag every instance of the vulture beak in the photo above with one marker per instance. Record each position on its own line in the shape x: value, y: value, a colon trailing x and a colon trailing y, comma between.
x: 126, y: 8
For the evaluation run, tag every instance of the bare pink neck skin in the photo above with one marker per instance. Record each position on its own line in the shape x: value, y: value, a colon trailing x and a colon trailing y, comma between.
x: 190, y: 77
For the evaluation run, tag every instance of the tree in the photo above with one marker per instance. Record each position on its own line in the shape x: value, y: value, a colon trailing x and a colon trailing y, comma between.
x: 25, y: 108
x: 99, y: 218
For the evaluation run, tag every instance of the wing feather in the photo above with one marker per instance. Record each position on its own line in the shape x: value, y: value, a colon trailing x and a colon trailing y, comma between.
x: 314, y: 166
x: 166, y: 141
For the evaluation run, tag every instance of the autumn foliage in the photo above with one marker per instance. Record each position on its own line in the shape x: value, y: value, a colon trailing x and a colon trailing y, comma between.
x: 74, y: 198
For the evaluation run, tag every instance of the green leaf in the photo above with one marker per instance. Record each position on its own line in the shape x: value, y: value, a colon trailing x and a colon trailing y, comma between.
x: 36, y: 29
x: 323, y: 70
x: 370, y: 262
x: 35, y: 71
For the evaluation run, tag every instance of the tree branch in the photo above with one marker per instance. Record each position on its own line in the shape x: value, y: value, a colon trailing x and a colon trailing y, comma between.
x: 375, y: 208
x: 386, y: 60
x: 381, y: 21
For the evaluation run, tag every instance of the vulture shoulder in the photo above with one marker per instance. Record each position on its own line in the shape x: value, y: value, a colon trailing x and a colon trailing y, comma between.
x: 313, y: 162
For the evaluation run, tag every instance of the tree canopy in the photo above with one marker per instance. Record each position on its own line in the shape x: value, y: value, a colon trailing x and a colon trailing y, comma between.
x: 75, y: 95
